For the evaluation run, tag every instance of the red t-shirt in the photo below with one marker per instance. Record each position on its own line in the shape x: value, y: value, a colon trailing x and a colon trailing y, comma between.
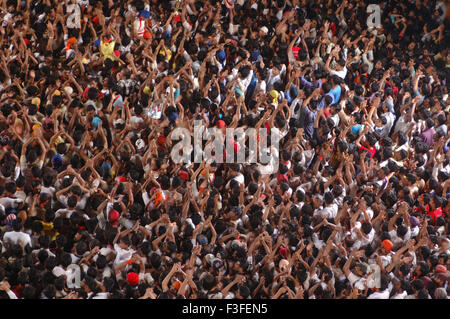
x: 435, y: 214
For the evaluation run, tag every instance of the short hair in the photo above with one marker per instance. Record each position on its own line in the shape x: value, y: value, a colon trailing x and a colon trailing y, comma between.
x: 17, y: 224
x: 72, y: 202
x: 366, y: 227
x: 244, y: 291
x: 208, y: 281
x: 81, y: 247
x: 328, y: 197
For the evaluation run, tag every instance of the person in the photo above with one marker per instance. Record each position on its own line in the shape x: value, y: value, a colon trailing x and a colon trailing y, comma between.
x: 352, y: 201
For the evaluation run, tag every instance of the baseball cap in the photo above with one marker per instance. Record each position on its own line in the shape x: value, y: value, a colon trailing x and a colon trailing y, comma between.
x: 264, y: 29
x: 68, y: 90
x: 95, y: 121
x: 133, y: 278
x: 140, y: 144
x: 221, y: 55
x: 147, y: 35
x: 221, y: 124
x: 114, y: 217
x: 441, y: 269
x: 183, y: 175
x: 177, y: 284
x: 388, y: 245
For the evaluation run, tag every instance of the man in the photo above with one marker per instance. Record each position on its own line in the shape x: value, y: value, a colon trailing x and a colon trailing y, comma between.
x: 383, y: 291
x: 17, y: 235
x: 308, y: 114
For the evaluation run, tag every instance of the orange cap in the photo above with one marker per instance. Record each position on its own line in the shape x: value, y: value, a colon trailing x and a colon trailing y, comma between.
x: 388, y: 245
x: 147, y: 35
x: 71, y: 41
x: 177, y: 284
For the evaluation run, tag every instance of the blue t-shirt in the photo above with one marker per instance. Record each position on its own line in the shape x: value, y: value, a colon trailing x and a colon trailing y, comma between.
x: 336, y: 92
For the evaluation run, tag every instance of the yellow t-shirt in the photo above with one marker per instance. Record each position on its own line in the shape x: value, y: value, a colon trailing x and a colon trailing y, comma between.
x: 107, y: 49
x: 48, y: 230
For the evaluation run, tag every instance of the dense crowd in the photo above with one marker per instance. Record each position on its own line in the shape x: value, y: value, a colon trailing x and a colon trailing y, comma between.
x: 93, y: 206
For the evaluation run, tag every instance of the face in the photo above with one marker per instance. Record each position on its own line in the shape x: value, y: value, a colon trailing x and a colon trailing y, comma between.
x: 380, y: 173
x: 358, y: 271
x: 316, y: 202
x: 19, y: 129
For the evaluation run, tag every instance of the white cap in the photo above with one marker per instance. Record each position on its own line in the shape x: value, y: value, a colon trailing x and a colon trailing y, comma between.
x: 118, y: 121
x: 68, y: 90
x: 140, y: 144
x: 264, y: 29
x: 283, y: 264
x: 209, y: 258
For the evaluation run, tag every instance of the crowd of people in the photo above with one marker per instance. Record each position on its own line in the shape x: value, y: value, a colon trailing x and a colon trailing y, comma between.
x: 93, y: 206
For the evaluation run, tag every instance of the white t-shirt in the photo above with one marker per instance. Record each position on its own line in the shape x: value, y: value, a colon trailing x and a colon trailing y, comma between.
x: 356, y: 281
x: 379, y: 295
x: 341, y: 73
x: 397, y: 240
x: 8, y: 202
x: 122, y: 254
x: 13, y: 237
x: 328, y: 212
x: 400, y: 295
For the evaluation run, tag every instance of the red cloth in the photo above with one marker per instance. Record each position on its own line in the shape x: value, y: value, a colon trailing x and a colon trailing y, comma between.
x: 434, y: 214
x: 18, y: 290
x: 333, y: 28
x: 371, y: 150
x: 282, y: 178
